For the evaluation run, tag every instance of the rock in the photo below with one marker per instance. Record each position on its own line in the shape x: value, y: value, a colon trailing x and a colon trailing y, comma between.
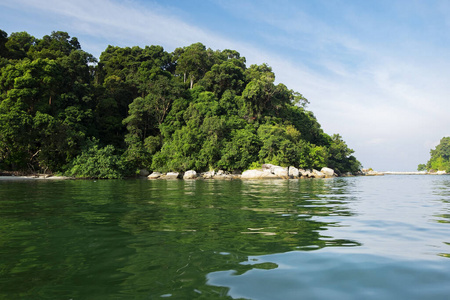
x: 257, y: 174
x: 280, y: 172
x: 441, y: 172
x: 294, y: 172
x: 252, y: 174
x: 328, y: 172
x: 317, y: 174
x: 154, y: 175
x: 191, y: 174
x: 208, y: 175
x: 172, y: 175
x: 143, y: 172
x: 306, y: 173
x: 223, y: 177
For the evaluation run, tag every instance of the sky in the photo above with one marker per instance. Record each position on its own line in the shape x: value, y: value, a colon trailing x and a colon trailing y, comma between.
x: 374, y: 71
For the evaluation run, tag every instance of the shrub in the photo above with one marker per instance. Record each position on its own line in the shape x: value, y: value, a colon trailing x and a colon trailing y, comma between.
x: 97, y: 162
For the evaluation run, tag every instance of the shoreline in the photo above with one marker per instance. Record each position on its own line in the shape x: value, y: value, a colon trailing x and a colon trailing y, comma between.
x: 382, y: 173
x: 34, y: 177
x: 222, y: 175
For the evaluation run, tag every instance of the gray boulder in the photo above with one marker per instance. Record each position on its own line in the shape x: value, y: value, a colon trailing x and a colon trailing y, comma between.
x: 276, y: 170
x: 172, y: 175
x: 306, y: 173
x: 191, y: 174
x: 208, y: 175
x: 328, y: 172
x: 294, y: 172
x: 317, y: 174
x: 257, y: 174
x: 154, y: 175
x: 280, y: 172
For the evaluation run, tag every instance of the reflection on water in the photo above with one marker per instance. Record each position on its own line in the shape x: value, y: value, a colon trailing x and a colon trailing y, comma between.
x: 269, y: 239
x: 441, y: 190
x: 329, y: 275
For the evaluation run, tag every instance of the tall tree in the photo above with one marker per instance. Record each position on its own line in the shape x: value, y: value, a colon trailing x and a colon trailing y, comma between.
x: 193, y: 62
x: 18, y: 44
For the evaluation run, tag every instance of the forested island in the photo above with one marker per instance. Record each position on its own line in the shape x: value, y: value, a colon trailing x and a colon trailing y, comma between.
x: 64, y: 111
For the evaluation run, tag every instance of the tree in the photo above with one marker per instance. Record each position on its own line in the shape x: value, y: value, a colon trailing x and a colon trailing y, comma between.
x: 340, y: 156
x: 229, y: 75
x: 262, y: 97
x: 193, y: 62
x: 57, y: 45
x: 145, y: 117
x: 3, y: 40
x: 45, y: 102
x: 18, y: 45
x: 440, y: 156
x: 241, y: 150
x: 421, y: 167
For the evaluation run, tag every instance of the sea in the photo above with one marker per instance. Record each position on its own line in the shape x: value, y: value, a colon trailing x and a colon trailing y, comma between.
x: 381, y: 237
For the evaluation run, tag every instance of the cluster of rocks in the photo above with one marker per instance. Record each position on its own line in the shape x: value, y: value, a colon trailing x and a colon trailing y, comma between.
x: 191, y: 174
x: 272, y: 171
x: 267, y: 171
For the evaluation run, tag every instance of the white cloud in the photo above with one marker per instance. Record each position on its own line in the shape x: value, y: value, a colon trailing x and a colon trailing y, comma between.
x: 126, y: 22
x: 386, y: 94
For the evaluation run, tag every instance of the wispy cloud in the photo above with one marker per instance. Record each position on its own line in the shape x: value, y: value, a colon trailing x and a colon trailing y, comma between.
x: 124, y: 22
x: 375, y: 71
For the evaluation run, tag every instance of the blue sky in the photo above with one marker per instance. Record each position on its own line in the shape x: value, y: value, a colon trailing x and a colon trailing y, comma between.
x: 375, y: 71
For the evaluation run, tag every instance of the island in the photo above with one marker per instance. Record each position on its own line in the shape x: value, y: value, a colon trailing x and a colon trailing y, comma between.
x: 135, y: 110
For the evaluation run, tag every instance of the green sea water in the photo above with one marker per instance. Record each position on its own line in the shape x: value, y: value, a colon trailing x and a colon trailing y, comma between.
x: 344, y: 238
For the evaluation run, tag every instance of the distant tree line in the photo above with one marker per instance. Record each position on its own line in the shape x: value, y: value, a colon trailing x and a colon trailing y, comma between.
x: 62, y: 110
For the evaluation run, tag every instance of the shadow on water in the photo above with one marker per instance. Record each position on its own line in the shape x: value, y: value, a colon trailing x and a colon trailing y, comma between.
x: 151, y: 239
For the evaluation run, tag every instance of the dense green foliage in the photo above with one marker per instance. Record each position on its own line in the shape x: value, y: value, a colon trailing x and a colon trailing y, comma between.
x: 440, y: 157
x: 422, y: 167
x: 61, y: 110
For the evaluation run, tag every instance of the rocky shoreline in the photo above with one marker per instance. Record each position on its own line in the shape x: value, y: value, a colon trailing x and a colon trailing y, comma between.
x: 267, y: 171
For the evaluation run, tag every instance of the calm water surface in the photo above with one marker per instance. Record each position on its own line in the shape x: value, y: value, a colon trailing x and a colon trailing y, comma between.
x: 345, y: 238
